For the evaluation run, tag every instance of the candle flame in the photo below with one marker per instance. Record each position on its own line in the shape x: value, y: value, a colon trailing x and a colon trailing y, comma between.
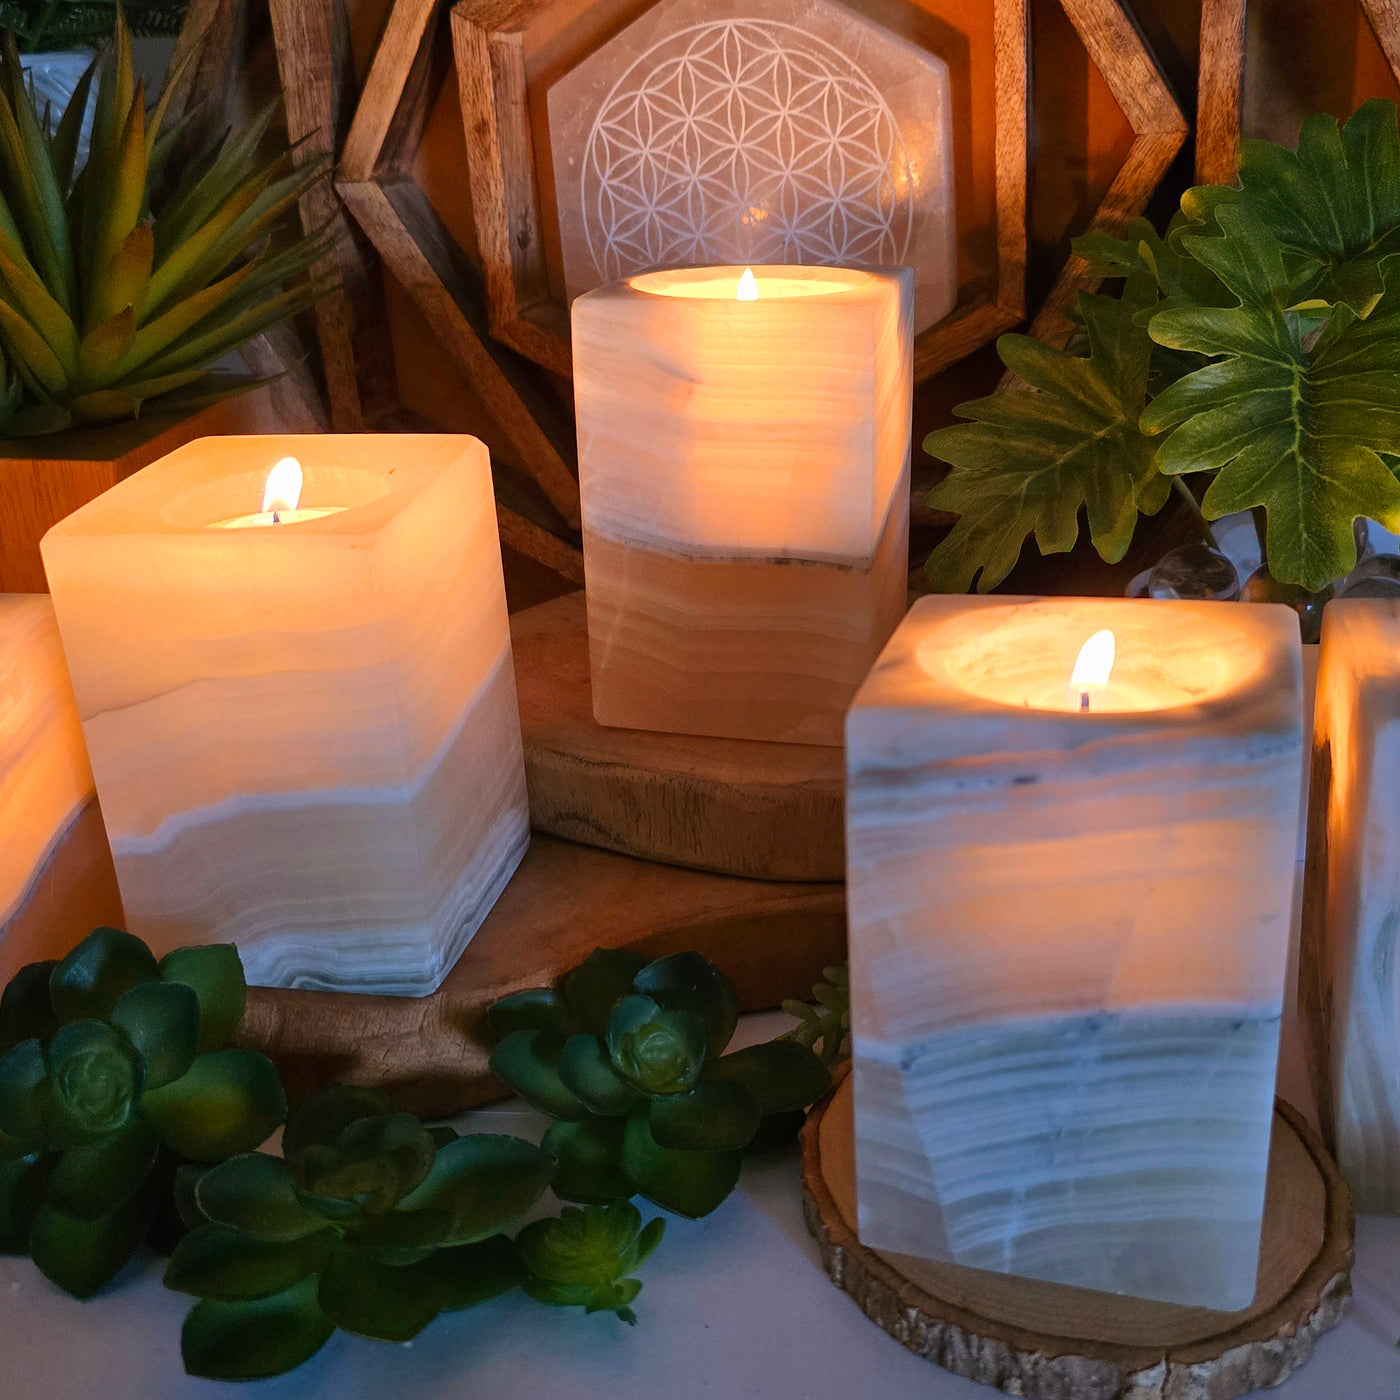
x: 748, y: 286
x: 283, y: 489
x: 1095, y: 663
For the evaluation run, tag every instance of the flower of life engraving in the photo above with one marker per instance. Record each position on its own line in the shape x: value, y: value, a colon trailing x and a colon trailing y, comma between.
x: 744, y: 140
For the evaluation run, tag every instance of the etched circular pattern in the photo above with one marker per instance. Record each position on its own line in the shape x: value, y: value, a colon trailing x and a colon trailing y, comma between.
x: 744, y: 140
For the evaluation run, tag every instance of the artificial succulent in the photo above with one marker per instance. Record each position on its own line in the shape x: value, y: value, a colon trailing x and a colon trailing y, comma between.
x: 583, y: 1256
x: 627, y: 1056
x: 370, y: 1221
x: 119, y: 288
x: 825, y: 1027
x: 116, y: 1068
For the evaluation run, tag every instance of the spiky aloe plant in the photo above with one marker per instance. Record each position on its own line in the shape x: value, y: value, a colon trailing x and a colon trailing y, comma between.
x: 117, y: 292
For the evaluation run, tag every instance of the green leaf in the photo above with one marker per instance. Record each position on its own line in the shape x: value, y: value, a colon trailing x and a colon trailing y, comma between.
x: 537, y: 1009
x: 587, y: 1072
x: 1296, y: 428
x: 25, y: 1009
x: 589, y: 1161
x: 401, y: 1236
x: 22, y: 1075
x: 95, y: 1077
x: 256, y: 1338
x: 161, y: 1019
x: 777, y: 1130
x: 82, y: 1255
x: 256, y: 1193
x: 379, y: 1300
x: 128, y: 274
x: 217, y: 1261
x: 475, y: 1273
x: 374, y: 1162
x: 688, y: 1183
x: 215, y: 974
x: 324, y: 1115
x: 658, y: 1051
x: 89, y: 1182
x: 185, y: 1192
x: 717, y: 1115
x: 528, y: 1061
x: 581, y: 1258
x: 21, y: 1189
x: 689, y: 982
x: 1034, y: 456
x: 781, y: 1075
x: 598, y: 983
x: 101, y: 352
x: 485, y: 1182
x: 228, y: 1102
x: 90, y: 981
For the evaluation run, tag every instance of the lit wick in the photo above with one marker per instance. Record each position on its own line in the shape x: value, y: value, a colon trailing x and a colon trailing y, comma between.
x: 1093, y: 667
x: 748, y: 286
x: 283, y: 489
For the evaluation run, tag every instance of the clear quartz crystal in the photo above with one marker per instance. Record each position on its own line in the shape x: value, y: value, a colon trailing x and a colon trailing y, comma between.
x: 1361, y: 533
x: 1263, y: 587
x: 1194, y: 571
x: 1377, y: 576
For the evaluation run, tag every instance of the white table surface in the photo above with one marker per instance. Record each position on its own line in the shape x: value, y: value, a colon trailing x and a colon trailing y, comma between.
x: 735, y: 1307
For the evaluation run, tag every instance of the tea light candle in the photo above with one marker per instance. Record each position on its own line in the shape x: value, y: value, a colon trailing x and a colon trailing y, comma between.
x: 1349, y: 988
x: 301, y: 715
x: 1069, y: 930
x: 743, y: 466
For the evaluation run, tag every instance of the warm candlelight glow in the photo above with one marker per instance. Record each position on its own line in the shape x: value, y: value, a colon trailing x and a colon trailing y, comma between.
x: 283, y: 489
x: 748, y: 286
x: 1095, y: 663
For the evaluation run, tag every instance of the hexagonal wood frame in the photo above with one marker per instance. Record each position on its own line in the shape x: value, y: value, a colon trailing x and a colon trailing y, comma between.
x: 1222, y: 77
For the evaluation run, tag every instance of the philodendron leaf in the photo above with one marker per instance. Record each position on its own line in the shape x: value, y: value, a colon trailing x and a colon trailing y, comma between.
x: 690, y: 982
x: 713, y: 1115
x: 257, y: 1193
x: 689, y: 1183
x: 229, y: 1101
x: 585, y: 1068
x: 589, y: 1156
x: 485, y: 1182
x: 372, y: 1299
x: 82, y: 1255
x: 92, y: 1181
x: 1033, y: 457
x: 1333, y: 205
x: 90, y: 981
x: 1286, y: 422
x: 528, y: 1061
x: 255, y: 1338
x: 215, y: 974
x: 216, y: 1261
x: 161, y: 1019
x: 781, y: 1075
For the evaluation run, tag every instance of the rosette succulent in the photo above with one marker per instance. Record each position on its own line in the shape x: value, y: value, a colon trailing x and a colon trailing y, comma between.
x: 582, y: 1258
x: 628, y: 1056
x: 115, y: 1069
x: 369, y: 1221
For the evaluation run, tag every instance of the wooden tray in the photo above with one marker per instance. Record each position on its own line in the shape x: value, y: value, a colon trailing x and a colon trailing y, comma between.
x: 1045, y: 1341
x: 772, y: 940
x: 738, y: 807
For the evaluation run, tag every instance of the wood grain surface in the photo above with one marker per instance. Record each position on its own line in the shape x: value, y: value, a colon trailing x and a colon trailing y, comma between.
x: 772, y: 940
x: 734, y: 806
x: 1049, y: 1342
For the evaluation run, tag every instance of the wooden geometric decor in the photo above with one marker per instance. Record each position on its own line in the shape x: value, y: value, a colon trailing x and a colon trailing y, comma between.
x: 1159, y: 130
x: 1222, y: 77
x: 488, y: 43
x: 375, y: 181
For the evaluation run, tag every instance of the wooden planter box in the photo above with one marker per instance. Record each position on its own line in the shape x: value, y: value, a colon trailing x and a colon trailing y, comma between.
x: 44, y: 479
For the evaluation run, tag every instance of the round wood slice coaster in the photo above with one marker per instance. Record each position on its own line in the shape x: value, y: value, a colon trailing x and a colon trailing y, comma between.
x: 1045, y: 1341
x: 733, y: 806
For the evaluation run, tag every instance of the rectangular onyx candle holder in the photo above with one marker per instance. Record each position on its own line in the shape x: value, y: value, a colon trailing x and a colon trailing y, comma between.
x: 744, y: 473
x: 304, y: 735
x: 1069, y: 937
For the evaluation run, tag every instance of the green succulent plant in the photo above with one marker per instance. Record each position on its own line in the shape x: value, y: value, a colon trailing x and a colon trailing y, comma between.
x: 627, y: 1056
x: 370, y: 1222
x: 119, y: 288
x: 583, y: 1256
x: 828, y: 1023
x: 53, y: 25
x: 115, y: 1068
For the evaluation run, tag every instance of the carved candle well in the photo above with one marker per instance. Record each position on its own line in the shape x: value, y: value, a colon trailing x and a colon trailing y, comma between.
x: 301, y: 715
x: 1070, y: 895
x: 743, y: 464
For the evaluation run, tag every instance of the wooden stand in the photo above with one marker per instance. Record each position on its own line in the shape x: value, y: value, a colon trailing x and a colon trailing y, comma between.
x: 1048, y: 1342
x: 431, y: 1053
x: 739, y: 807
